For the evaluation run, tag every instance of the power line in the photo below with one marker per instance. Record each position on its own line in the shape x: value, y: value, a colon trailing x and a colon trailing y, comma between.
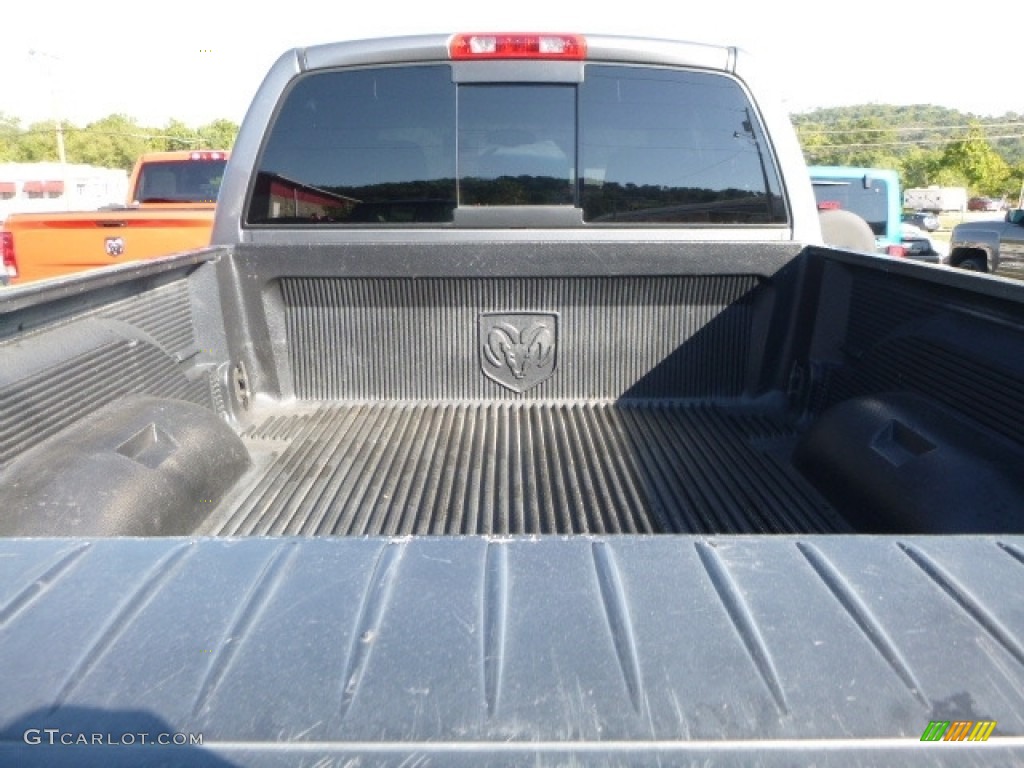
x: 92, y: 132
x: 910, y: 129
x: 863, y: 145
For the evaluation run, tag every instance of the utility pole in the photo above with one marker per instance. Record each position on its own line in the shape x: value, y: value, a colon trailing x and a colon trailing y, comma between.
x: 61, y: 155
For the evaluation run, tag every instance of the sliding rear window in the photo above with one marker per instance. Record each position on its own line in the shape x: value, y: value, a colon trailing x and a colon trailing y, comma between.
x: 406, y: 145
x: 180, y: 181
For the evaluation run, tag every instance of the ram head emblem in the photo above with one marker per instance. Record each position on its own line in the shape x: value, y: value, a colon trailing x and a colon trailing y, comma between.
x: 518, y: 350
x: 114, y: 246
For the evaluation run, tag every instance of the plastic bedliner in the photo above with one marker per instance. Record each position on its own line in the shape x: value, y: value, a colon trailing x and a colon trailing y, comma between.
x: 460, y: 651
x: 480, y: 468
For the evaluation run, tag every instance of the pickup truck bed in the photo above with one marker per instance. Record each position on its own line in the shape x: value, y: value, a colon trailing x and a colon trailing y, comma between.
x: 367, y: 408
x: 341, y: 540
x: 401, y: 434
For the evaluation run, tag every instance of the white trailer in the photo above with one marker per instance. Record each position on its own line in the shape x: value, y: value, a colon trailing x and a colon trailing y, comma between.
x: 935, y: 199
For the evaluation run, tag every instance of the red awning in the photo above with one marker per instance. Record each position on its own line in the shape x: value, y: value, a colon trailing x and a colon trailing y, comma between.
x: 7, y: 188
x: 49, y: 187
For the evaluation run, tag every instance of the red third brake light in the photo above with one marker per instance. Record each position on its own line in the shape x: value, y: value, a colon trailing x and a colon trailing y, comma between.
x: 517, y: 46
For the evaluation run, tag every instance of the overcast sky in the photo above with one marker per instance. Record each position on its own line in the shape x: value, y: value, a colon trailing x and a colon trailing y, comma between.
x: 198, y: 61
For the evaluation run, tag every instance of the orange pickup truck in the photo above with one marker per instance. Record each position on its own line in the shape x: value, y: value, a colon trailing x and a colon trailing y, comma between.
x: 171, y: 200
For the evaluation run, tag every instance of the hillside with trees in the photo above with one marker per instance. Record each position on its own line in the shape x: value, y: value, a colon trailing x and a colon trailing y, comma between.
x: 926, y: 144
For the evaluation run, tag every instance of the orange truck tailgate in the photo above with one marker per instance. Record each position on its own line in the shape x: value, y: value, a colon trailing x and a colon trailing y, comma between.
x: 48, y: 245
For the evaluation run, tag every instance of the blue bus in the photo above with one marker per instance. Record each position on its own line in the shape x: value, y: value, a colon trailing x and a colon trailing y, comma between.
x: 871, y: 193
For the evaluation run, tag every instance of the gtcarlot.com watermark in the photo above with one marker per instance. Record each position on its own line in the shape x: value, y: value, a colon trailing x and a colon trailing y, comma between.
x: 56, y: 736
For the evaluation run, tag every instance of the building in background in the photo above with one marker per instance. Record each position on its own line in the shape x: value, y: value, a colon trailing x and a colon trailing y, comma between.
x: 43, y: 187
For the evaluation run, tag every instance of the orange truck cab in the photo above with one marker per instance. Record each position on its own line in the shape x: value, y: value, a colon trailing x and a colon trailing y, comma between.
x: 170, y: 206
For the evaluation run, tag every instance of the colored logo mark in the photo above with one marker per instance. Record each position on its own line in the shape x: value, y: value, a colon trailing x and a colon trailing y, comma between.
x: 958, y: 730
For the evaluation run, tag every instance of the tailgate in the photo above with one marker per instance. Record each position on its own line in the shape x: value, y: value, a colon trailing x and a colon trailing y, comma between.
x: 50, y: 246
x: 514, y: 651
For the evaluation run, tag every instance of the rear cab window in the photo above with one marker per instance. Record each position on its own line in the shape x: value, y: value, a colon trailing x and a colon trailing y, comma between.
x: 405, y: 145
x: 180, y: 181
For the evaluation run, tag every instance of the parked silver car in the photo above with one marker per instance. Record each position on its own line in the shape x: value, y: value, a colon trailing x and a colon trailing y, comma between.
x: 925, y: 220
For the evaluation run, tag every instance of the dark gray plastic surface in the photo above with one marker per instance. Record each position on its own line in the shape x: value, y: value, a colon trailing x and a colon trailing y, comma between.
x: 505, y: 468
x: 460, y: 651
x: 142, y: 466
x: 898, y: 463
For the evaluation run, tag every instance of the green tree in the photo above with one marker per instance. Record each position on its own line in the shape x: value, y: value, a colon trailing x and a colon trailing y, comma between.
x: 10, y: 130
x: 919, y: 167
x: 1015, y: 193
x: 814, y: 140
x: 115, y: 141
x: 860, y: 141
x: 219, y: 134
x: 175, y: 135
x: 945, y: 176
x: 38, y: 143
x: 973, y: 157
